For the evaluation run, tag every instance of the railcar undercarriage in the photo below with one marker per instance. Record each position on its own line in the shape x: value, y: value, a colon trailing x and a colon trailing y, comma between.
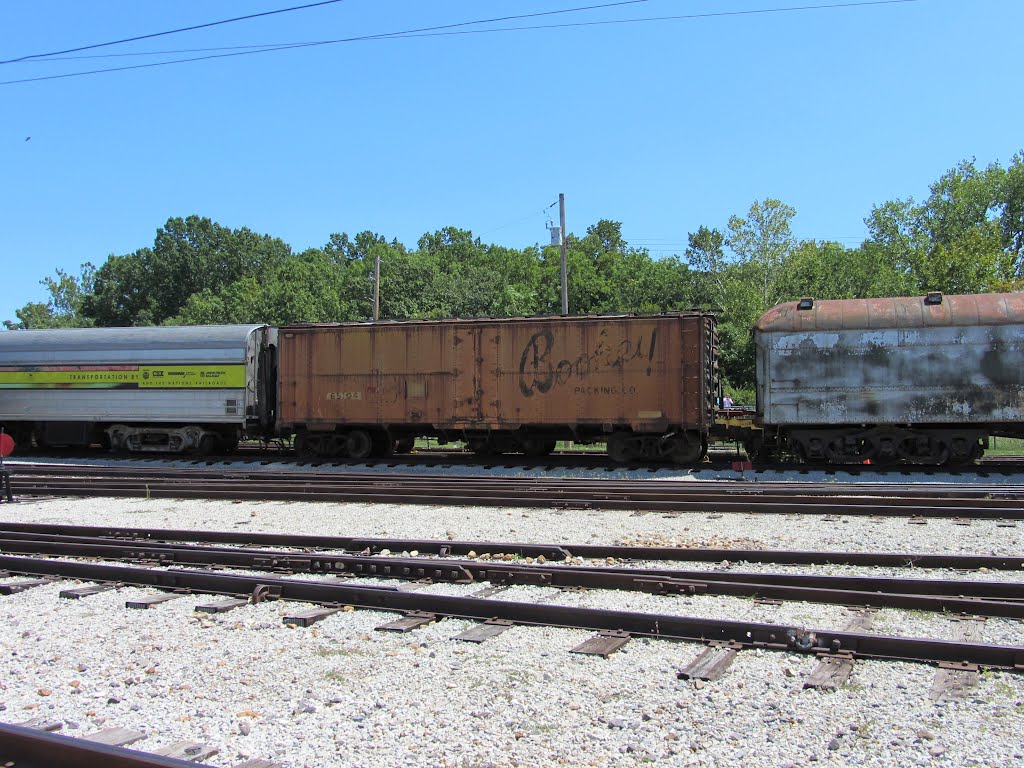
x: 887, y: 444
x: 680, y: 447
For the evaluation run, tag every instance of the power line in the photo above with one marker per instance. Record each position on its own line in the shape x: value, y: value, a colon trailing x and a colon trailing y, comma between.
x: 291, y: 45
x: 437, y: 32
x: 541, y: 212
x: 415, y: 33
x: 172, y: 31
x: 288, y: 46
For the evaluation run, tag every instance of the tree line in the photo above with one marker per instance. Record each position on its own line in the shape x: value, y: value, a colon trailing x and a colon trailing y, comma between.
x: 967, y: 236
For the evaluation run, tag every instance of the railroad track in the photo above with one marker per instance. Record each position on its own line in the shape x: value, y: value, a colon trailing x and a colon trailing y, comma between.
x: 35, y: 746
x: 660, y: 496
x: 595, y: 461
x: 553, y: 553
x: 967, y: 597
x: 663, y: 496
x: 1004, y: 599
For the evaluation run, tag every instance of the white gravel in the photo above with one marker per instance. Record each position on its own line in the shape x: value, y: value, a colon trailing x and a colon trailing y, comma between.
x: 341, y: 694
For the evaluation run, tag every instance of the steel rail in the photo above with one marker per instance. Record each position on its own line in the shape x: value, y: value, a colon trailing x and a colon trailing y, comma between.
x: 31, y: 748
x: 1003, y: 599
x: 660, y: 489
x: 470, y: 570
x: 554, y: 552
x: 511, y: 496
x: 744, y: 634
x: 586, y: 460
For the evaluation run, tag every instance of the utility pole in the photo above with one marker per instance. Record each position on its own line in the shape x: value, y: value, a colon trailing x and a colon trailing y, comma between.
x: 565, y: 273
x: 376, y: 285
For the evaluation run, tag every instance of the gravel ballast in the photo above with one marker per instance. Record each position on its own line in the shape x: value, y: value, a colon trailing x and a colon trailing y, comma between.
x: 341, y: 694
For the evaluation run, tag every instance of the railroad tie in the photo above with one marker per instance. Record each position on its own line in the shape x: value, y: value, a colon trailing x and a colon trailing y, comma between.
x: 221, y: 606
x: 115, y: 737
x: 77, y: 593
x: 150, y: 600
x: 485, y: 631
x: 308, y: 618
x: 711, y: 663
x: 604, y: 643
x: 188, y: 750
x: 412, y: 620
x: 958, y: 680
x: 834, y: 669
x: 42, y: 724
x: 14, y: 587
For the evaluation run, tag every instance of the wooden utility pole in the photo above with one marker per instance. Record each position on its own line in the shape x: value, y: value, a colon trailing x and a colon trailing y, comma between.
x: 565, y: 272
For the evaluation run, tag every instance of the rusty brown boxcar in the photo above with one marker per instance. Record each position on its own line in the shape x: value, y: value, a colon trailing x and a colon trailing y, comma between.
x: 646, y: 385
x: 923, y: 379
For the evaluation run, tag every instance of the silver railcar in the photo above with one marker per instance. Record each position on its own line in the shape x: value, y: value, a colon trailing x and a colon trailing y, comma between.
x: 198, y: 388
x: 920, y: 379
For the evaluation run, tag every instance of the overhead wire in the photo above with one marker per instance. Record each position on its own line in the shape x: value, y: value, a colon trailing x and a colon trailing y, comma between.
x: 315, y: 42
x: 541, y: 212
x: 172, y: 31
x: 447, y: 30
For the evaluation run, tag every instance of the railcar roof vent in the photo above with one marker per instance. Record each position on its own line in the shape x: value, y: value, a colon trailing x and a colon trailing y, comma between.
x: 933, y: 297
x: 805, y: 303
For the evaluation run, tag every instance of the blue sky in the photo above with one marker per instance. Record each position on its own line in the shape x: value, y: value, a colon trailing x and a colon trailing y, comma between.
x: 662, y: 125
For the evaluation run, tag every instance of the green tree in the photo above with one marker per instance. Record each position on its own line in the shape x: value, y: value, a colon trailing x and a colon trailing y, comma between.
x: 829, y: 270
x: 745, y: 280
x: 965, y: 237
x: 762, y: 243
x: 189, y: 256
x: 64, y: 307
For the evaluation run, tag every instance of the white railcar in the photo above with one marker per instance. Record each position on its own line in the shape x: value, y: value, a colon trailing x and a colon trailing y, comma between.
x: 169, y: 388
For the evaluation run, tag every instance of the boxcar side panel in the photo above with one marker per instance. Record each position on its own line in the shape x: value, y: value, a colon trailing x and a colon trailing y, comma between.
x: 152, y: 375
x: 645, y: 372
x: 915, y: 375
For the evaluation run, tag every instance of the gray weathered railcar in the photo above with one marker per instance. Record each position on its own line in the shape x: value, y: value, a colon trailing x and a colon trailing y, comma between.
x: 138, y: 389
x: 920, y: 379
x: 645, y: 385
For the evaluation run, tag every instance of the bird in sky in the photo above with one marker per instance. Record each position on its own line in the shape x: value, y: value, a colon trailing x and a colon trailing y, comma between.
x: 27, y: 138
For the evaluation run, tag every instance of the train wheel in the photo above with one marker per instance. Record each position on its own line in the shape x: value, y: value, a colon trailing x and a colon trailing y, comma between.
x: 924, y: 449
x: 685, y: 452
x: 306, y: 446
x: 359, y: 444
x: 383, y: 445
x: 964, y: 451
x: 535, y: 447
x: 405, y: 444
x: 481, y: 446
x: 619, y: 450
